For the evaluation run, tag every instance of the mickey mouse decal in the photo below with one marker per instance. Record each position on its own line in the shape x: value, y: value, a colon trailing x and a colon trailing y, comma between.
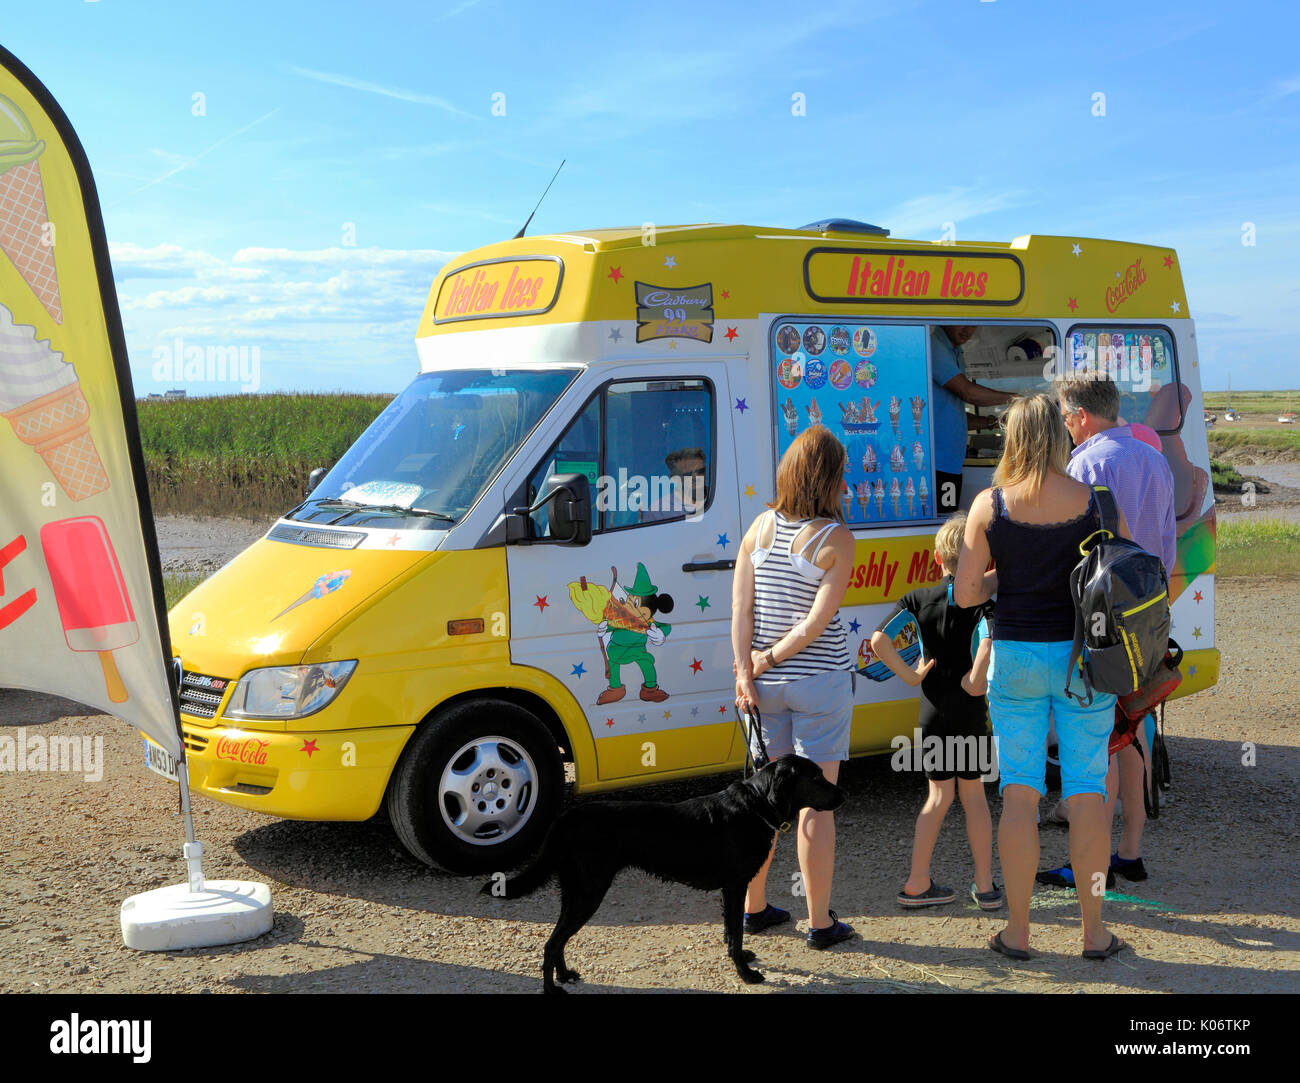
x: 625, y: 627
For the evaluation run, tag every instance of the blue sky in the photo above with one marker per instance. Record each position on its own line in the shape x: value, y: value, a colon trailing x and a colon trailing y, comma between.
x: 228, y: 214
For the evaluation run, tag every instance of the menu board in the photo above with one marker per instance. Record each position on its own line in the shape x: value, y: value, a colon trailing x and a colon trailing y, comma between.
x: 870, y: 385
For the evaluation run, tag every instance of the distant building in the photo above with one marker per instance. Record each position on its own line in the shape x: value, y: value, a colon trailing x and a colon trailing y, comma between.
x: 174, y: 393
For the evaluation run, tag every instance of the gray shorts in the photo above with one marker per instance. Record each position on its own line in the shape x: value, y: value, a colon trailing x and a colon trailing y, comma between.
x: 811, y: 716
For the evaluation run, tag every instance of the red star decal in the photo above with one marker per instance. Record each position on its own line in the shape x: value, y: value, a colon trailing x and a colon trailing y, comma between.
x: 1071, y: 304
x: 309, y: 747
x: 394, y: 538
x: 616, y: 273
x: 726, y: 295
x: 609, y: 721
x: 696, y: 666
x: 541, y: 603
x: 722, y: 709
x: 1169, y: 261
x: 731, y: 334
x: 1196, y: 597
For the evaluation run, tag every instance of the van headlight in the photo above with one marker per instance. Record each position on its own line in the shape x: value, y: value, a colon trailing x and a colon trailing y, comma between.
x: 288, y: 691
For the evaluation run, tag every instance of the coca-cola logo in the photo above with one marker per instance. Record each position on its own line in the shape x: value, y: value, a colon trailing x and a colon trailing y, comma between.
x: 249, y: 750
x: 1133, y: 278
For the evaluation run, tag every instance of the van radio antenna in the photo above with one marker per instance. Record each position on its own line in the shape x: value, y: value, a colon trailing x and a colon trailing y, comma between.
x: 539, y: 202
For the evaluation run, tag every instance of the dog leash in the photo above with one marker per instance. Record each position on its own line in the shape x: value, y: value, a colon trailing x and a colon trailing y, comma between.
x: 751, y: 726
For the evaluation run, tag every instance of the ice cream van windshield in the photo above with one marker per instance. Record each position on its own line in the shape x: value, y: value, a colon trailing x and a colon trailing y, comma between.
x: 426, y: 458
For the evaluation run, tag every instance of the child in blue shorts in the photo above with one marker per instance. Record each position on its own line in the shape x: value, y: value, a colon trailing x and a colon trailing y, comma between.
x: 956, y: 748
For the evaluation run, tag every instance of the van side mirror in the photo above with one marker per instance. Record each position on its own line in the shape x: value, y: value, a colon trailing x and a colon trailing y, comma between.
x: 569, y: 497
x: 315, y: 478
x: 570, y: 508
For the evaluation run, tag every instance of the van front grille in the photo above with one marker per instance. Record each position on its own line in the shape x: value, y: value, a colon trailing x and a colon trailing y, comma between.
x: 201, y: 694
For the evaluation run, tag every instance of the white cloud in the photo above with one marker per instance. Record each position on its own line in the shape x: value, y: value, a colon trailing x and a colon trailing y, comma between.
x: 927, y: 214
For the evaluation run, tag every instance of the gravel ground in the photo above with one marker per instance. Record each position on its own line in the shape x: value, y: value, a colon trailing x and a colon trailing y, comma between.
x: 355, y: 913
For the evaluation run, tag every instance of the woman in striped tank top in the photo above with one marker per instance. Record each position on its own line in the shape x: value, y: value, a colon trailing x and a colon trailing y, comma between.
x: 792, y: 660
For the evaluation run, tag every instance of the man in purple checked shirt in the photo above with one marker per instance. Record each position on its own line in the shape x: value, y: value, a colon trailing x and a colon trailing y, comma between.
x: 1107, y: 453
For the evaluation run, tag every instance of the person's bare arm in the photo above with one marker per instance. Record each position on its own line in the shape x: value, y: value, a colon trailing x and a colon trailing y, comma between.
x: 883, y: 648
x: 972, y: 581
x: 742, y: 619
x: 968, y: 390
x: 829, y: 598
x: 976, y: 682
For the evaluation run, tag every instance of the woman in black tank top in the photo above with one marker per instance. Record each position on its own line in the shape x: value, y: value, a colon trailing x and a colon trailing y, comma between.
x: 1030, y: 526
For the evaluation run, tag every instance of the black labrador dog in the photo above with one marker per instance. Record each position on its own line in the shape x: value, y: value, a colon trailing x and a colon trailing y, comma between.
x: 714, y: 842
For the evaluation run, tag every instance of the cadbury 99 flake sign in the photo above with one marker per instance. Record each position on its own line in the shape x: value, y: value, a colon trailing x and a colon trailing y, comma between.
x: 869, y: 384
x: 81, y: 613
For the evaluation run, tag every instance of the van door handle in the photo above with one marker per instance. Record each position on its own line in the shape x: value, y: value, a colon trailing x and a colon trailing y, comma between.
x: 710, y: 566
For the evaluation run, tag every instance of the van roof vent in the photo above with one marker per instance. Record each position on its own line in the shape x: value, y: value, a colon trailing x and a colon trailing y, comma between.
x: 844, y: 225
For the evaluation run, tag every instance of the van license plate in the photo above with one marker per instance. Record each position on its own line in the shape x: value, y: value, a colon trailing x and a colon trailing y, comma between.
x: 161, y: 762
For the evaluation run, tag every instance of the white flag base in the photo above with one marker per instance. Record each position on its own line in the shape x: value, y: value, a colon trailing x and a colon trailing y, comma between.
x: 175, y: 917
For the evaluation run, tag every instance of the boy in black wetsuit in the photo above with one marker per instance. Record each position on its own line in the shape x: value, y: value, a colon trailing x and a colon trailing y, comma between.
x: 956, y: 749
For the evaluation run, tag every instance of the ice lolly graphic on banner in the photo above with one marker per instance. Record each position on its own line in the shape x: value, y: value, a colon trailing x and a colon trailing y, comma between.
x: 25, y: 232
x: 93, y: 603
x: 41, y: 397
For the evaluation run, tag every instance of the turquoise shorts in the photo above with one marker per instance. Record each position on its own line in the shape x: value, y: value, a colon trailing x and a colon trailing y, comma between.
x: 1026, y: 689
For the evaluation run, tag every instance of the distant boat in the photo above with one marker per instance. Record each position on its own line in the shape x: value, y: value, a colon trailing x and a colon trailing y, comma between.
x: 1287, y: 417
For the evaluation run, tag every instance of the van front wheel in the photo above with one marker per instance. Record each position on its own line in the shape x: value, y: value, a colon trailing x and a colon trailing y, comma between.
x: 476, y: 788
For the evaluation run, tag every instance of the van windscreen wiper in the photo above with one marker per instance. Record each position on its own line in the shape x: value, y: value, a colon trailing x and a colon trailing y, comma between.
x: 355, y: 506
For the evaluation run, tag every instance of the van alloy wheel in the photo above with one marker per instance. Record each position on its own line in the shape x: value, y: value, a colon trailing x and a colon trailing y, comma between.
x: 477, y: 787
x: 487, y: 791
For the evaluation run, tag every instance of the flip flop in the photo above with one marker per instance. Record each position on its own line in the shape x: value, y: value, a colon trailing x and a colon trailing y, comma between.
x: 995, y: 944
x: 1115, y: 946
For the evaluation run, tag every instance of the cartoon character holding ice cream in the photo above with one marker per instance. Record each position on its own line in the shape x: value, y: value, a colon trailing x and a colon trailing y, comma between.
x: 625, y: 626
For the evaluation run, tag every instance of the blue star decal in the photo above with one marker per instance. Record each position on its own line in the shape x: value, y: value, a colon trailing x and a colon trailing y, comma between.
x: 578, y: 670
x: 1191, y: 672
x: 741, y: 405
x: 722, y: 541
x: 640, y: 718
x: 854, y: 626
x: 615, y: 334
x: 694, y: 711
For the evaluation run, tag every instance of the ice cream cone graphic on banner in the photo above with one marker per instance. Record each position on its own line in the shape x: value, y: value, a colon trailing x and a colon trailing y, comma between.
x: 25, y: 232
x: 41, y: 398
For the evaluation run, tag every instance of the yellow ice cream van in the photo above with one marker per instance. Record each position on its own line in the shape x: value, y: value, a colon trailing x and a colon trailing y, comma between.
x: 527, y: 558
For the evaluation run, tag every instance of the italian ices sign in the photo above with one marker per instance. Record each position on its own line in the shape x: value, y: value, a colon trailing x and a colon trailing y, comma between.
x: 81, y: 612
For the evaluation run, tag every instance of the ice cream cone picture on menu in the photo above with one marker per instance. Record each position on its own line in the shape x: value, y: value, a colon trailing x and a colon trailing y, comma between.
x: 41, y: 398
x: 846, y: 498
x: 895, y: 491
x: 864, y: 496
x: 878, y: 491
x: 895, y: 410
x: 88, y: 588
x: 923, y: 490
x: 918, y: 454
x: 24, y: 222
x: 918, y: 404
x: 869, y: 461
x: 909, y: 490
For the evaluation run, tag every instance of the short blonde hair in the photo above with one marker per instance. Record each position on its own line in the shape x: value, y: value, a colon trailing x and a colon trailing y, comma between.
x: 1037, y: 442
x: 947, y: 543
x: 810, y: 476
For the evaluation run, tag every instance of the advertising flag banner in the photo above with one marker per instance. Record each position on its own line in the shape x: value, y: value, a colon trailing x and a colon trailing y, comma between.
x: 81, y: 610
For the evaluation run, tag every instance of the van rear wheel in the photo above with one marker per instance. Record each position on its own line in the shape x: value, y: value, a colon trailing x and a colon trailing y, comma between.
x: 476, y: 788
